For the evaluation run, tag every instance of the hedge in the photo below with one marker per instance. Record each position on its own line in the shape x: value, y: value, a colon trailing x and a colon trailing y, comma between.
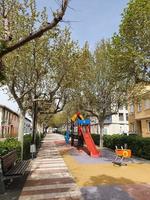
x: 12, y: 143
x: 9, y: 145
x: 27, y: 143
x: 140, y: 146
x: 96, y: 138
x: 26, y: 147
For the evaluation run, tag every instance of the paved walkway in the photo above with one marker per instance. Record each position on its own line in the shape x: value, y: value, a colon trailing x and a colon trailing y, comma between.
x: 49, y: 178
x: 93, y: 179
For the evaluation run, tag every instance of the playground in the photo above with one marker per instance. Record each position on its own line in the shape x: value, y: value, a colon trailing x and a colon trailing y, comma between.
x: 106, y: 174
x: 98, y: 176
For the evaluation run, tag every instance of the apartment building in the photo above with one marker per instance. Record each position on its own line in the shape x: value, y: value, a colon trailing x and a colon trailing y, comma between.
x: 115, y: 124
x: 139, y: 113
x: 9, y: 122
x: 27, y: 126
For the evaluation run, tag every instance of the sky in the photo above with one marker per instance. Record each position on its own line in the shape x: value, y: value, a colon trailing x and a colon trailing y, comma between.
x: 89, y: 20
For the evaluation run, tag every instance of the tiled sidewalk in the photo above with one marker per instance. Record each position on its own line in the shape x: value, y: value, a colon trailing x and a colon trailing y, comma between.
x: 49, y: 178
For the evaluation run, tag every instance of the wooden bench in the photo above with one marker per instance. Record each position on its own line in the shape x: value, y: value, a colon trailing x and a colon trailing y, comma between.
x: 11, y: 168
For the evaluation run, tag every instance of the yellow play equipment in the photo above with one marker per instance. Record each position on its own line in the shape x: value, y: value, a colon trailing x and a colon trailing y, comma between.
x: 121, y: 155
x: 76, y: 116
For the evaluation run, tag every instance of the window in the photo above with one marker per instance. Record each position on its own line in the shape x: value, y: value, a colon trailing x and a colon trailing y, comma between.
x: 139, y: 107
x: 121, y: 118
x: 131, y: 108
x: 6, y: 115
x: 148, y: 123
x: 147, y: 103
x: 126, y: 116
x: 132, y: 127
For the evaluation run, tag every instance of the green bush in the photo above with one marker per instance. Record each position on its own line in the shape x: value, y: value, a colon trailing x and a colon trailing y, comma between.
x: 27, y: 143
x: 3, y: 149
x: 8, y: 145
x: 146, y: 148
x: 39, y: 137
x: 96, y: 138
x: 140, y: 146
x: 26, y: 147
x: 12, y: 143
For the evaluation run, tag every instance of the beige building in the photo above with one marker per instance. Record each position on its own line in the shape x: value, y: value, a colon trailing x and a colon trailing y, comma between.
x: 9, y: 122
x: 139, y: 114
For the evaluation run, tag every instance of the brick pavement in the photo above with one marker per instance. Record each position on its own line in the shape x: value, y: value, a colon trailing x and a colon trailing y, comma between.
x: 49, y: 178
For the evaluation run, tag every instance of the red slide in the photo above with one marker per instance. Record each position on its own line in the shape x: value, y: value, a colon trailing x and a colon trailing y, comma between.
x: 90, y: 144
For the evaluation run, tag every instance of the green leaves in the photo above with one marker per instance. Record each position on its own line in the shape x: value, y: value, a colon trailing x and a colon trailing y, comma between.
x: 8, y: 145
x: 102, y: 91
x: 2, y: 45
x: 131, y: 52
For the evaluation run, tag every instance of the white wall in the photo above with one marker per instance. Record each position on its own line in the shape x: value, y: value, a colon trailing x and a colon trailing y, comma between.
x: 116, y: 126
x: 117, y: 129
x: 0, y: 115
x: 27, y: 127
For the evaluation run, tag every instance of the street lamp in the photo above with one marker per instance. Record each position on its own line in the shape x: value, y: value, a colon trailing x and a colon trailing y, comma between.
x: 33, y: 141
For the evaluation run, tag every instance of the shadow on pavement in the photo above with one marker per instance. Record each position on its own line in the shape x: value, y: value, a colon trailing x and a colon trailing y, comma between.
x: 108, y: 180
x: 105, y: 192
x: 13, y: 189
x: 106, y: 188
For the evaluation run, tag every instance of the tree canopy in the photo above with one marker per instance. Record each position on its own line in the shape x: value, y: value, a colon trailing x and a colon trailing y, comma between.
x: 131, y: 52
x: 14, y: 17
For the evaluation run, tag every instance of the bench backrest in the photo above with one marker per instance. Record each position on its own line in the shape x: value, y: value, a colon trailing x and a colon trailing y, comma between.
x: 8, y: 160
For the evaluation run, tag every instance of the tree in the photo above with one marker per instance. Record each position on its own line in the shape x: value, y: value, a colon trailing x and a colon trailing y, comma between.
x: 64, y: 61
x: 130, y: 52
x: 12, y: 14
x: 41, y: 72
x: 102, y: 94
x: 57, y: 120
x: 23, y: 75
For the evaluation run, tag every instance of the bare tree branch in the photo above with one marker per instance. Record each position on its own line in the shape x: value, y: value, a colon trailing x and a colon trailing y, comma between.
x: 57, y: 18
x: 92, y: 112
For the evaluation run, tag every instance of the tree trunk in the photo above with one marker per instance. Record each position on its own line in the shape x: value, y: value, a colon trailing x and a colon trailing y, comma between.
x: 34, y: 130
x: 101, y: 127
x: 21, y: 131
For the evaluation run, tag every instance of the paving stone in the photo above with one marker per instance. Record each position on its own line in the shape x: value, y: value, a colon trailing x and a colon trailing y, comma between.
x: 49, y: 177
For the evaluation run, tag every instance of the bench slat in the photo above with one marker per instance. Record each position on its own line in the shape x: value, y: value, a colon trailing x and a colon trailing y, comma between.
x: 21, y: 167
x: 8, y: 160
x: 18, y: 169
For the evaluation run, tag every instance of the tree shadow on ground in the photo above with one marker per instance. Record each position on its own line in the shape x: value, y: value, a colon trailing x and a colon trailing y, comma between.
x: 107, y: 180
x: 69, y: 151
x: 105, y: 192
x: 13, y: 189
x: 105, y: 187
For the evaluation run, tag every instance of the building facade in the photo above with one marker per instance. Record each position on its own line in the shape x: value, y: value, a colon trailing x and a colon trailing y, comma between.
x: 9, y: 122
x: 139, y: 114
x: 27, y: 126
x: 115, y: 124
